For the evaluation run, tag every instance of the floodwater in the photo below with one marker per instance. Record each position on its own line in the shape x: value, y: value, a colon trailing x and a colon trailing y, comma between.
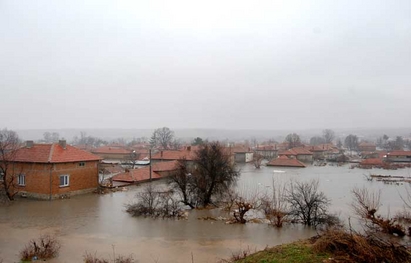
x: 97, y: 223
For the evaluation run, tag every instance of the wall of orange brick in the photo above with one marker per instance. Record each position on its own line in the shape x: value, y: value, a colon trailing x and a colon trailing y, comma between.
x: 37, y: 178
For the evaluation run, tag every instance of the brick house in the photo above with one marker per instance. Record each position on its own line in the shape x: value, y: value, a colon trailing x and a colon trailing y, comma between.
x: 50, y: 171
x: 399, y: 156
x: 366, y: 147
x: 242, y: 154
x: 268, y: 151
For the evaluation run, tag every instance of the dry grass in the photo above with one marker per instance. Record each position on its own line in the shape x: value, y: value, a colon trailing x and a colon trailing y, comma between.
x: 45, y: 247
x: 241, y: 254
x: 353, y: 247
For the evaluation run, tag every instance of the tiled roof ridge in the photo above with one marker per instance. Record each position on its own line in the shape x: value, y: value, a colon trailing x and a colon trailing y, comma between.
x: 51, y: 152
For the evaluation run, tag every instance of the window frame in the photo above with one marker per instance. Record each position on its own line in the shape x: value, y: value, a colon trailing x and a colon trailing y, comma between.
x: 21, y: 180
x: 82, y: 164
x: 66, y: 180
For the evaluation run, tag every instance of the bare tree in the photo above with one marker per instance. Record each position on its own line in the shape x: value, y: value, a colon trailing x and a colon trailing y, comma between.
x: 328, y: 135
x: 132, y: 159
x: 351, y: 142
x: 316, y: 140
x: 257, y: 159
x: 176, y: 144
x: 275, y: 206
x: 254, y: 142
x: 9, y: 145
x: 293, y: 140
x: 88, y: 140
x: 242, y: 208
x: 366, y: 204
x: 308, y: 205
x: 162, y: 137
x: 181, y: 182
x: 49, y: 137
x: 215, y: 172
x: 339, y: 143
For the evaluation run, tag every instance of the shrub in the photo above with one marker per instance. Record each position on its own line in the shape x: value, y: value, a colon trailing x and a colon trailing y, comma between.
x: 154, y: 203
x: 276, y: 208
x: 366, y: 205
x: 353, y: 247
x: 45, y: 247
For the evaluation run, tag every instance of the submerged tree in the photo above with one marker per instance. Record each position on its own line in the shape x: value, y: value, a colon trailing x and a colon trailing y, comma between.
x: 257, y: 159
x: 215, y: 172
x: 308, y: 204
x: 366, y: 204
x: 275, y: 206
x: 181, y: 182
x: 211, y: 173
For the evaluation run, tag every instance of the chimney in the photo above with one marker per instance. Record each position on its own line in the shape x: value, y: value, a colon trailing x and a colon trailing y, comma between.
x: 62, y: 143
x: 29, y: 144
x: 188, y: 148
x: 161, y: 154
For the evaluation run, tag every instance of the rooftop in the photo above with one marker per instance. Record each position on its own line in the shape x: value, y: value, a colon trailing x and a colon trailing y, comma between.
x: 53, y: 153
x: 286, y: 162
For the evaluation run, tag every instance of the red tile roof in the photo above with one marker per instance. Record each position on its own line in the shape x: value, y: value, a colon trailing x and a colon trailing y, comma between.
x: 136, y: 175
x: 85, y: 147
x: 400, y: 153
x: 267, y: 148
x: 296, y: 151
x: 286, y: 162
x: 53, y: 153
x: 165, y: 166
x: 366, y: 144
x: 371, y: 161
x: 189, y: 155
x: 240, y: 149
x: 112, y: 150
x: 143, y: 174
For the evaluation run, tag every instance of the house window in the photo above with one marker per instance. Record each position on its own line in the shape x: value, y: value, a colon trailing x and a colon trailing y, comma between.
x: 81, y: 164
x: 64, y: 180
x: 21, y: 179
x: 1, y: 176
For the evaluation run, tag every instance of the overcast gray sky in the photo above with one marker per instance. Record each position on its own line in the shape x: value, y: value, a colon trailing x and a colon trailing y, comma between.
x: 209, y: 64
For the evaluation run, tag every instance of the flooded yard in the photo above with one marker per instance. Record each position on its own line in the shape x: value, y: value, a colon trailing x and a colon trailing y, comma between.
x: 96, y: 223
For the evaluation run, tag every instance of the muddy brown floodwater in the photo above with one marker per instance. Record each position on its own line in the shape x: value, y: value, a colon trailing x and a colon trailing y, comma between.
x: 96, y: 223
